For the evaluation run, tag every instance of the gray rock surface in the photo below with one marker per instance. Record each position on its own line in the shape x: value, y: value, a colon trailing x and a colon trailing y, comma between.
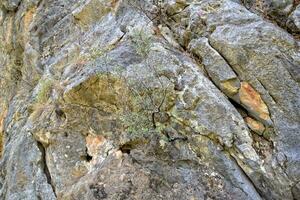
x: 293, y: 22
x: 124, y: 99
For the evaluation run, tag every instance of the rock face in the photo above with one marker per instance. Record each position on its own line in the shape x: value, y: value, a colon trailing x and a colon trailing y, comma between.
x: 140, y: 99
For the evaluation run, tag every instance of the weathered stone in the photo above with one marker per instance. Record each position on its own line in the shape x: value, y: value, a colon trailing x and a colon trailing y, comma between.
x: 276, y: 10
x: 254, y: 103
x: 293, y: 22
x: 175, y: 7
x: 230, y: 87
x: 219, y: 71
x: 278, y: 7
x: 295, y: 190
x: 244, y: 43
x: 93, y: 143
x: 97, y: 92
x: 2, y: 117
x: 11, y: 5
x: 91, y: 11
x: 21, y: 172
x: 27, y: 20
x: 148, y: 100
x: 255, y: 126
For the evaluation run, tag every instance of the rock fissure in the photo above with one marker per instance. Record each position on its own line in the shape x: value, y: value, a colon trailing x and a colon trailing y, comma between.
x: 246, y: 175
x: 211, y: 136
x: 45, y: 166
x: 252, y: 96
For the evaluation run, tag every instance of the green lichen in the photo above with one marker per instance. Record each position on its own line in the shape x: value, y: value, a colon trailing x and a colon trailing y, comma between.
x: 136, y: 123
x: 142, y: 42
x: 98, y: 52
x: 268, y: 133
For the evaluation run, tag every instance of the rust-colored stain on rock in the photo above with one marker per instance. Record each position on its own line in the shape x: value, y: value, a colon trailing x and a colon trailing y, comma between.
x: 253, y: 102
x: 93, y: 143
x: 28, y: 18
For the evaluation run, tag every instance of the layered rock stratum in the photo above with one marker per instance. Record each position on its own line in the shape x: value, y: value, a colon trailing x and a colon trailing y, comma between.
x: 149, y: 99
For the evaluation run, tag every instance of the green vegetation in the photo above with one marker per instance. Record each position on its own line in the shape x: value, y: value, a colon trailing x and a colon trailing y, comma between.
x: 97, y: 53
x: 141, y: 102
x: 45, y: 91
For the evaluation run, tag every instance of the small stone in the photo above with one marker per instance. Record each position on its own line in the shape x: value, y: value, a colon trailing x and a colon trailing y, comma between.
x: 230, y: 87
x: 43, y: 138
x: 253, y: 102
x: 255, y: 125
x: 118, y: 154
x: 268, y: 133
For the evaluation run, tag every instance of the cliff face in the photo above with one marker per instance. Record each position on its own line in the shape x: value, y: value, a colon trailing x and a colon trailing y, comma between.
x: 142, y: 99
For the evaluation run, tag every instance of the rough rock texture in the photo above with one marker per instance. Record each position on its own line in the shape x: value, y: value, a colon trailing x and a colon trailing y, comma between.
x: 293, y: 22
x: 124, y: 99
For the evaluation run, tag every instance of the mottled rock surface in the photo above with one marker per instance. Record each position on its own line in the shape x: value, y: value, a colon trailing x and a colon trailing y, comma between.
x: 142, y: 99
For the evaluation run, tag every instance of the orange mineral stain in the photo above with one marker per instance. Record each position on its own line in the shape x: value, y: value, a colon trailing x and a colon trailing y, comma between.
x: 253, y: 102
x: 93, y: 143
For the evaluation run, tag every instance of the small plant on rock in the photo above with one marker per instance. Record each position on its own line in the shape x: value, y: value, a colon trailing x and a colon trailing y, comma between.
x: 44, y: 91
x: 142, y: 42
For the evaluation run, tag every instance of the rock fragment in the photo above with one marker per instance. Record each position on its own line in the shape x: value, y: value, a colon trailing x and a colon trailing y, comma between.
x: 255, y: 125
x: 217, y: 68
x: 253, y: 102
